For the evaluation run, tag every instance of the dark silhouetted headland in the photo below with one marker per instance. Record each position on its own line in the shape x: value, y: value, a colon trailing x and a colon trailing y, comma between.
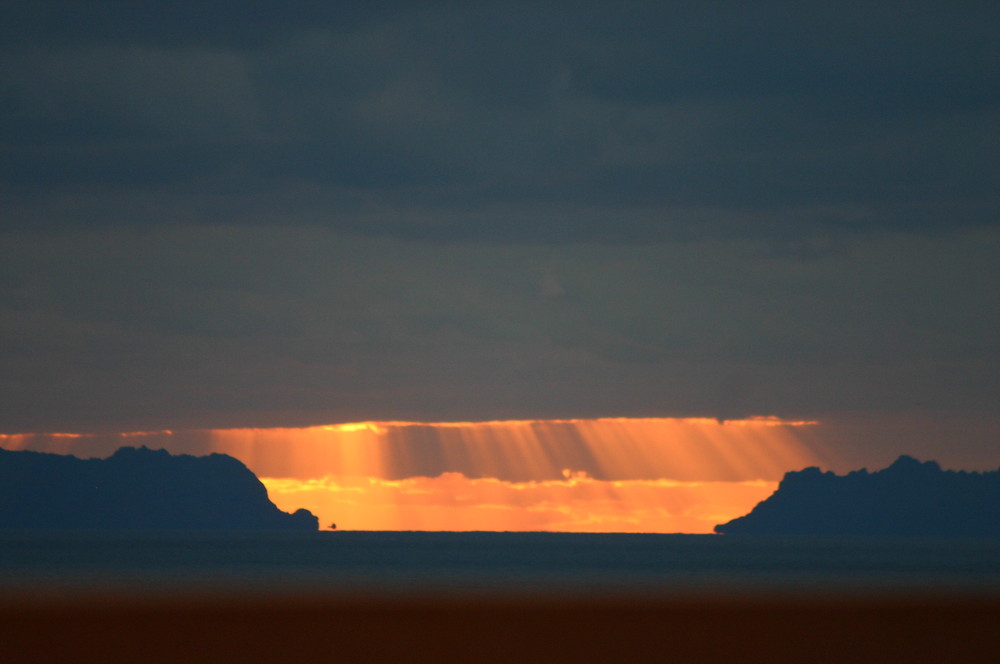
x: 907, y: 498
x: 137, y: 488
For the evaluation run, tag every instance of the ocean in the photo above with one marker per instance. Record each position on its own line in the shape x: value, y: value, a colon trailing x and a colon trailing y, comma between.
x: 487, y: 597
x: 490, y: 563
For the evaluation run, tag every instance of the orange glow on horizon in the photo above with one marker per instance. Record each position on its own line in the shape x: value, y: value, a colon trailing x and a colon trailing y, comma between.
x: 577, y: 503
x: 691, y: 449
x: 572, y: 475
x: 594, y: 475
x: 81, y: 444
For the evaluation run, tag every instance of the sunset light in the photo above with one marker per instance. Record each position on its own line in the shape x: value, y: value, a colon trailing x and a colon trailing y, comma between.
x: 499, y: 332
x: 578, y: 503
x: 572, y: 475
x: 691, y: 449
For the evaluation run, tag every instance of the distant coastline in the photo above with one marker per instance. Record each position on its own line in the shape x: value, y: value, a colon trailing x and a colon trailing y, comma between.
x: 137, y: 488
x: 910, y: 498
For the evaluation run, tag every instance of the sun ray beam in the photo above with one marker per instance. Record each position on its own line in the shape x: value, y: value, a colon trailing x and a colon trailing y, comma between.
x: 621, y: 474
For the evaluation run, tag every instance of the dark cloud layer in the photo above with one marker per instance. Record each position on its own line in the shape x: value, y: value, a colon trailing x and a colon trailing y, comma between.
x: 266, y: 326
x: 235, y: 214
x: 532, y: 121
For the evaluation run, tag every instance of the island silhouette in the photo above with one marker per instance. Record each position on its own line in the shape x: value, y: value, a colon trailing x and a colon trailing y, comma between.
x: 910, y: 498
x: 137, y: 488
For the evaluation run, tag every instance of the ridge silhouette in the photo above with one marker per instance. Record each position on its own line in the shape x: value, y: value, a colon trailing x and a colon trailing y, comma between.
x: 137, y: 488
x: 909, y: 498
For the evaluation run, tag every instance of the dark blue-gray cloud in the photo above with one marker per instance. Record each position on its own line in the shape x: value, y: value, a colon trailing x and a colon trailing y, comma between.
x: 261, y: 213
x: 502, y: 121
x: 266, y: 326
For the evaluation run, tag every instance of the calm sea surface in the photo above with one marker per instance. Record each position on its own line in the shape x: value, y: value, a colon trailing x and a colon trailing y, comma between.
x: 518, y: 563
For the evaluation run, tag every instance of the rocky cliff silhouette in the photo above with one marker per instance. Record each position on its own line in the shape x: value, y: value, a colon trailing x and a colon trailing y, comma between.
x: 907, y: 498
x: 137, y: 488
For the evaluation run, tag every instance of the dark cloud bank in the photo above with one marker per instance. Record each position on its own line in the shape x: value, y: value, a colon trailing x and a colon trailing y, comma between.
x: 526, y: 122
x: 256, y: 214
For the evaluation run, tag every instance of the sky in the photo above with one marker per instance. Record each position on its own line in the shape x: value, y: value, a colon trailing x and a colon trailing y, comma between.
x: 578, y: 475
x: 219, y: 215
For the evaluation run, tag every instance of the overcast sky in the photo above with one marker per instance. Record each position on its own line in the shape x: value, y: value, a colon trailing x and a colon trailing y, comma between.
x: 220, y: 214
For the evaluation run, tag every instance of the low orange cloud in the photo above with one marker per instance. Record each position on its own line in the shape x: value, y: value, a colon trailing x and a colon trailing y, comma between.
x: 576, y: 503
